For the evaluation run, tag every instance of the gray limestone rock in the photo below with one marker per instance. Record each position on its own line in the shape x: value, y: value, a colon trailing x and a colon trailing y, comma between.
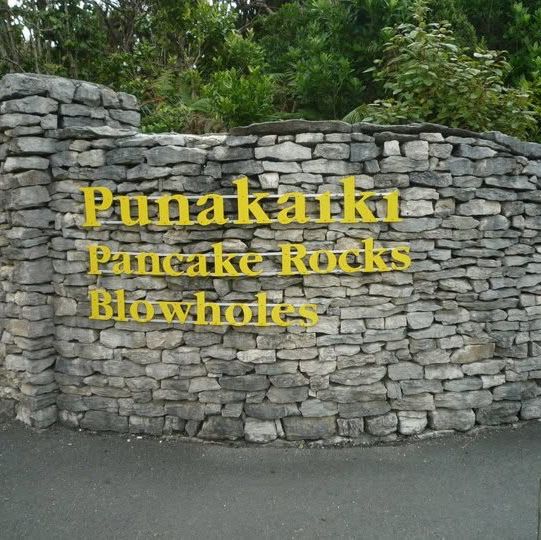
x: 442, y: 419
x: 503, y: 412
x: 89, y: 94
x: 364, y: 151
x: 299, y: 428
x: 531, y: 409
x: 417, y: 150
x: 412, y: 387
x: 456, y: 331
x: 28, y: 197
x: 256, y: 356
x: 473, y: 353
x: 333, y: 167
x: 316, y: 408
x: 267, y: 410
x: 150, y: 426
x: 219, y: 428
x: 118, y: 338
x: 397, y: 164
x: 168, y: 155
x: 412, y: 422
x: 443, y: 371
x: 286, y: 151
x: 462, y: 385
x: 353, y: 427
x: 475, y: 152
x: 231, y: 153
x: 104, y: 421
x: 486, y: 367
x: 247, y: 383
x: 381, y: 425
x: 498, y: 165
x: 364, y: 408
x: 463, y: 400
x: 259, y: 431
x: 417, y: 402
x: 405, y: 370
x: 287, y: 395
x: 187, y: 410
x: 32, y: 145
x: 14, y: 164
x: 332, y: 151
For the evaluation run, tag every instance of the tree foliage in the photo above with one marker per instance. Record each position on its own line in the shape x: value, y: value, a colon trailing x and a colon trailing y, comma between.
x: 427, y: 76
x: 201, y: 65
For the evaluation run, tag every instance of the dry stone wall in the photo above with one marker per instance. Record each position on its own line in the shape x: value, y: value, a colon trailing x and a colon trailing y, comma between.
x: 452, y: 342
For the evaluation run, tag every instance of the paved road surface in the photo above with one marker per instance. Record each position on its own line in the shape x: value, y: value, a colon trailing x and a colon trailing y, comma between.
x: 61, y: 484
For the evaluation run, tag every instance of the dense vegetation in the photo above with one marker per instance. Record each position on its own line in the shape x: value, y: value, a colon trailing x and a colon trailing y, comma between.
x: 204, y: 65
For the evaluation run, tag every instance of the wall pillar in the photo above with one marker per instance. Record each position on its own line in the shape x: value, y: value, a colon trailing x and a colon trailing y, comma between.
x: 26, y: 113
x: 32, y: 109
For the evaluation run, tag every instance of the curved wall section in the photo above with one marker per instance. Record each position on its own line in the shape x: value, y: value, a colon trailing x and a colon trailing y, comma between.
x: 444, y: 343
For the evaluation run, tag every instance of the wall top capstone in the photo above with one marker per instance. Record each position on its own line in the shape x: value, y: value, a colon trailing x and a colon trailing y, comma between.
x: 19, y: 85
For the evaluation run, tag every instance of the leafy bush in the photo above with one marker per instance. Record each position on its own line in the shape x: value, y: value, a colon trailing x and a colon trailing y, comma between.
x: 240, y: 52
x: 240, y: 99
x: 197, y: 64
x: 166, y: 118
x: 323, y: 80
x: 428, y: 77
x: 173, y: 103
x: 180, y: 118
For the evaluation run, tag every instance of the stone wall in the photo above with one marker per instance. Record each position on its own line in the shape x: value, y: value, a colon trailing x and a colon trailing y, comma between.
x: 452, y: 342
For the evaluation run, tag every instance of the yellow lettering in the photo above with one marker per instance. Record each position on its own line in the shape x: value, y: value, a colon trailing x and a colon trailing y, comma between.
x: 142, y: 217
x: 245, y: 312
x: 215, y: 214
x: 393, y: 207
x: 245, y: 262
x: 91, y: 205
x: 175, y: 310
x: 167, y: 265
x: 124, y: 266
x: 97, y: 255
x: 343, y: 262
x: 315, y: 264
x: 297, y: 209
x: 120, y: 301
x: 401, y: 255
x: 183, y: 210
x: 352, y: 207
x: 309, y: 313
x: 261, y: 309
x: 148, y: 259
x: 373, y: 257
x: 199, y: 267
x: 288, y: 258
x: 203, y: 306
x: 148, y: 314
x: 325, y: 215
x: 245, y: 207
x: 278, y: 311
x: 223, y: 265
x: 100, y: 305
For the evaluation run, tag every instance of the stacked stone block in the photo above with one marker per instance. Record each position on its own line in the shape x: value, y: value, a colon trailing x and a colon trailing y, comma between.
x: 32, y: 108
x: 452, y: 343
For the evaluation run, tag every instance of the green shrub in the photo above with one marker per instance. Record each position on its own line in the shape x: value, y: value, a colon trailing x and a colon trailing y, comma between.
x: 426, y: 76
x: 323, y: 81
x: 241, y: 53
x: 240, y: 99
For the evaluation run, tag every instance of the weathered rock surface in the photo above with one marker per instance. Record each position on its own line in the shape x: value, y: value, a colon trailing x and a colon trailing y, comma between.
x: 451, y: 342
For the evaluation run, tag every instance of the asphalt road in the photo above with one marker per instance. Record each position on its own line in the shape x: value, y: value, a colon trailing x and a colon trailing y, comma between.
x: 61, y: 484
